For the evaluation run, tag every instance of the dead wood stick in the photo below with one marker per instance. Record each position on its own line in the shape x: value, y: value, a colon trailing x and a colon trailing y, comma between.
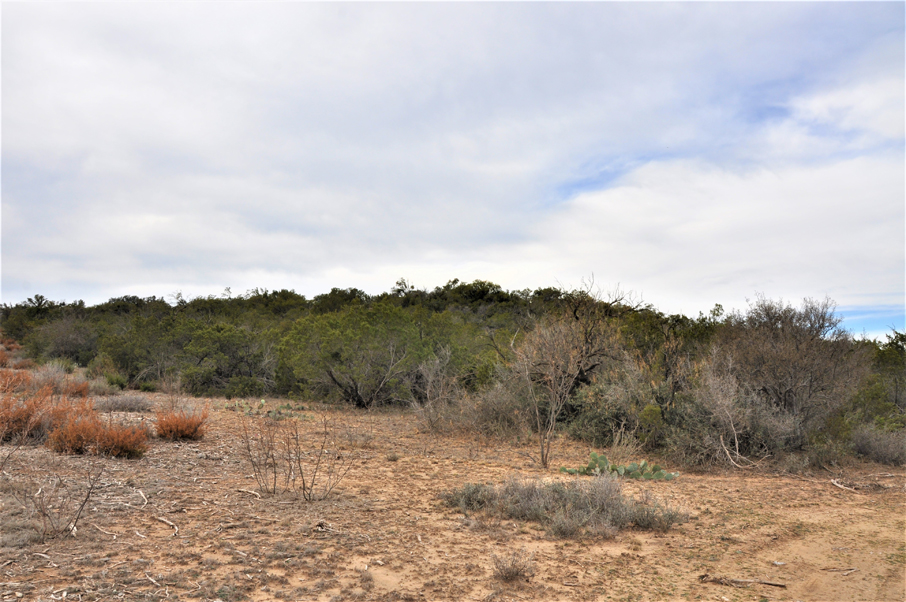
x: 706, y: 578
x: 102, y: 531
x: 152, y: 580
x: 844, y: 572
x: 140, y: 535
x: 837, y: 484
x: 165, y: 521
x: 143, y: 497
x: 255, y: 493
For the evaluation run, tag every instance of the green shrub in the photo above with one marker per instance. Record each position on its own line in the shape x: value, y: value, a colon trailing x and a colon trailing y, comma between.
x: 117, y: 381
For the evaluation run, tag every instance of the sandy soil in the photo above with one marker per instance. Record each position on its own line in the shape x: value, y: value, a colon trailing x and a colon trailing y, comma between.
x: 185, y: 523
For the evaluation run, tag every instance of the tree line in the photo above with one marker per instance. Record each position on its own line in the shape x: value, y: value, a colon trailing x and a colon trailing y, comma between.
x: 721, y: 387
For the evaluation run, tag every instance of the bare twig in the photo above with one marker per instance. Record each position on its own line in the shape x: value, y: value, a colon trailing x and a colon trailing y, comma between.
x: 836, y: 483
x: 255, y: 493
x: 165, y: 521
x: 706, y: 578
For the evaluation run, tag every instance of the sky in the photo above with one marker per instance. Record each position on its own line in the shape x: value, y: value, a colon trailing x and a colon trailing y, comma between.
x: 691, y: 153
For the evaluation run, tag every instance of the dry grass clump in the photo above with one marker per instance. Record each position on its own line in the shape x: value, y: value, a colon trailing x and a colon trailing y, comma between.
x: 4, y: 358
x: 78, y: 435
x: 86, y: 433
x: 14, y: 381
x: 518, y: 565
x: 31, y: 417
x: 881, y: 446
x: 568, y: 509
x: 181, y: 424
x: 122, y: 441
x: 124, y: 403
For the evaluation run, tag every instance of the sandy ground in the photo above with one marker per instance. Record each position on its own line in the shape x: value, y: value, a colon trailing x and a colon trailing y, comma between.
x: 186, y: 522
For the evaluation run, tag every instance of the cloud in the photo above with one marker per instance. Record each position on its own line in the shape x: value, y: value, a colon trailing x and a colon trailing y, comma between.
x: 694, y: 152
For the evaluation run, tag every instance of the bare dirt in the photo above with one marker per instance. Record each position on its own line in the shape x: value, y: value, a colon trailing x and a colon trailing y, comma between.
x: 186, y: 522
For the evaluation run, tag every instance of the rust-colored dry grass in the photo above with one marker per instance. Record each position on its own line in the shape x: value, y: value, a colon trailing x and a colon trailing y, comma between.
x: 75, y: 388
x: 122, y: 441
x: 181, y: 424
x: 13, y: 381
x: 4, y: 358
x: 78, y: 435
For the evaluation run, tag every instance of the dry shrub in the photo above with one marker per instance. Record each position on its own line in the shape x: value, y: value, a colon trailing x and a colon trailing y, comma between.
x: 12, y: 381
x: 518, y: 565
x: 124, y: 403
x: 52, y: 374
x: 122, y: 441
x: 25, y: 417
x: 76, y: 389
x: 181, y: 424
x: 881, y: 446
x: 22, y: 363
x: 78, y: 435
x: 4, y: 358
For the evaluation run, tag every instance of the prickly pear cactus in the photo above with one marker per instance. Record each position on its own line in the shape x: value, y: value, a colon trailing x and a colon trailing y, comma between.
x: 599, y: 464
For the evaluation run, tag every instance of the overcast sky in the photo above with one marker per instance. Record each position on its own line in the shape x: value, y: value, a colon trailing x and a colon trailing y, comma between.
x: 694, y: 153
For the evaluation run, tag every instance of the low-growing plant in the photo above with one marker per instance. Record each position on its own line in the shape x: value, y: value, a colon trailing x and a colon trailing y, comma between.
x: 520, y: 564
x: 78, y: 435
x: 122, y: 441
x: 124, y: 403
x: 599, y: 464
x: 181, y: 424
x: 567, y: 509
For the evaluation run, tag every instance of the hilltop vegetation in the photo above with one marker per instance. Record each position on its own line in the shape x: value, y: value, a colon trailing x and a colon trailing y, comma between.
x: 773, y: 380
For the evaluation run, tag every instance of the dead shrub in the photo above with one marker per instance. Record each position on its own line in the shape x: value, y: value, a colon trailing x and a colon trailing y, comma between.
x: 22, y: 363
x: 122, y: 441
x: 181, y: 424
x: 881, y: 446
x: 26, y: 417
x: 4, y: 358
x: 518, y: 565
x: 124, y: 403
x: 75, y: 388
x: 14, y: 381
x: 78, y: 435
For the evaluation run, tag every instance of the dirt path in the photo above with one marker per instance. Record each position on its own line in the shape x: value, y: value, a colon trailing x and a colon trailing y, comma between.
x: 385, y: 535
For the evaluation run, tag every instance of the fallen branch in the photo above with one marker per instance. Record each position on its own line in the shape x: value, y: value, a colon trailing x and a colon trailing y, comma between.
x: 836, y: 483
x: 706, y: 578
x: 102, y: 531
x: 165, y: 521
x: 843, y: 572
x: 255, y: 493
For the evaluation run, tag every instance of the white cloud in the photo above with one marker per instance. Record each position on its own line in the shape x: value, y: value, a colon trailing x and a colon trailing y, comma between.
x: 693, y: 152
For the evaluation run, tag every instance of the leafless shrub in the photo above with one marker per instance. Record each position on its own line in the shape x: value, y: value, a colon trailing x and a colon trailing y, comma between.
x: 52, y: 506
x: 498, y: 411
x: 434, y: 390
x: 881, y: 446
x: 280, y: 461
x: 517, y: 565
x: 794, y: 366
x: 312, y: 474
x: 261, y: 448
